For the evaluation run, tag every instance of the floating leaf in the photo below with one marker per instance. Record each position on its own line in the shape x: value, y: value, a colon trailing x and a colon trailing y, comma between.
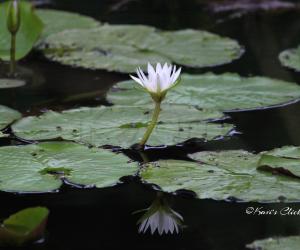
x: 56, y: 21
x: 122, y: 126
x: 7, y: 116
x: 223, y: 175
x: 11, y: 83
x: 283, y: 243
x: 108, y: 47
x: 37, y: 167
x: 29, y: 32
x: 24, y: 226
x: 223, y: 92
x: 291, y: 58
x: 125, y: 47
x: 197, y: 48
x: 284, y: 161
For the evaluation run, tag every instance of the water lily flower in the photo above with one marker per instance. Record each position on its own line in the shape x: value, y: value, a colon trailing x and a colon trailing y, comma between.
x: 159, y: 80
x: 161, y: 218
x: 157, y: 83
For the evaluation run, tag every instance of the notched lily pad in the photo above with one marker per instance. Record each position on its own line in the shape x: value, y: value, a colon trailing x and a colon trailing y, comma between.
x: 38, y: 167
x: 291, y: 58
x: 281, y: 243
x: 24, y: 226
x: 221, y: 176
x: 122, y: 126
x: 7, y: 116
x: 225, y: 92
x: 56, y: 21
x: 6, y: 83
x: 123, y: 48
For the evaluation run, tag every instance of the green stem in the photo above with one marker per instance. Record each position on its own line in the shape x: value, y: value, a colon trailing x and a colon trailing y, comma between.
x: 13, y: 54
x: 152, y: 124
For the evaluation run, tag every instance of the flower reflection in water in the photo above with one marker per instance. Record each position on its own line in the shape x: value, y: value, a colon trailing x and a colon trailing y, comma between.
x: 161, y: 217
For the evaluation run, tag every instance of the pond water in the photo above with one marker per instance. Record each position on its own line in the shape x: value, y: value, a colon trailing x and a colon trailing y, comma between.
x: 103, y: 218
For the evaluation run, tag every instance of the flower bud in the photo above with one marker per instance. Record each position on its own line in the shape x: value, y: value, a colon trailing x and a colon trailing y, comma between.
x: 13, y: 17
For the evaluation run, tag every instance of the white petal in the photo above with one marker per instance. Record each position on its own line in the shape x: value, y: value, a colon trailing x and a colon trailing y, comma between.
x: 143, y: 76
x: 176, y: 75
x: 164, y: 80
x: 158, y: 68
x: 151, y: 71
x: 165, y: 67
x: 137, y: 80
x: 140, y: 76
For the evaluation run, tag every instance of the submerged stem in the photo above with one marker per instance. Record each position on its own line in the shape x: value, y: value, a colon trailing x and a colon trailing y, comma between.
x: 13, y: 55
x: 152, y: 124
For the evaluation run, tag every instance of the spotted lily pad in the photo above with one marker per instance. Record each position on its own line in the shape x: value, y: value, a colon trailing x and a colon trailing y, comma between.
x: 291, y: 58
x: 108, y: 47
x: 29, y: 32
x: 6, y: 83
x: 223, y: 175
x: 225, y: 92
x: 7, y: 116
x: 24, y: 226
x: 282, y: 243
x: 56, y: 21
x: 122, y: 126
x: 125, y: 47
x: 37, y: 167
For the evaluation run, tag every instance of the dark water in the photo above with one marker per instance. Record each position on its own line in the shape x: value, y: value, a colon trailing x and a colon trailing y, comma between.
x: 102, y: 219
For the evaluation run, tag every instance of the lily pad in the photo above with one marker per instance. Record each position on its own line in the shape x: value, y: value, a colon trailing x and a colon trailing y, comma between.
x: 291, y: 58
x: 108, y: 47
x: 7, y: 116
x: 282, y: 243
x: 30, y: 29
x: 123, y: 48
x: 284, y: 160
x: 56, y: 21
x: 223, y: 175
x: 37, y: 167
x: 122, y: 126
x: 197, y: 48
x: 11, y: 83
x: 24, y: 226
x: 225, y: 92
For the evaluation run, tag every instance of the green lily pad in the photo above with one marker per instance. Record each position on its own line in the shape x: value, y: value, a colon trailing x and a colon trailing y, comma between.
x: 223, y: 175
x: 197, y: 48
x: 282, y: 243
x: 225, y: 92
x: 7, y: 116
x: 37, y: 167
x: 291, y: 58
x: 24, y: 226
x: 30, y: 29
x: 122, y: 126
x: 11, y: 83
x: 123, y: 48
x: 56, y: 21
x: 284, y: 160
x: 107, y: 47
